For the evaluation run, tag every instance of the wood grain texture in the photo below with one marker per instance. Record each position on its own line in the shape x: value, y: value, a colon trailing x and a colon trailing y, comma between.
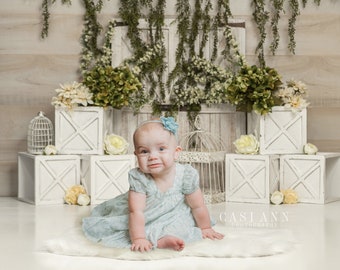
x: 31, y: 68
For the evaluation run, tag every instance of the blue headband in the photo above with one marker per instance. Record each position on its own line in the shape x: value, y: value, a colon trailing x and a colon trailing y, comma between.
x: 168, y: 123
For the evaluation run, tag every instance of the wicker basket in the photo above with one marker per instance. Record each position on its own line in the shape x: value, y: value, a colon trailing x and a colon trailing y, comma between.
x: 40, y: 134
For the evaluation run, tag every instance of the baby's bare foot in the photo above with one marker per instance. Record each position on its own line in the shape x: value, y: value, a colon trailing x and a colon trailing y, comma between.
x: 171, y: 242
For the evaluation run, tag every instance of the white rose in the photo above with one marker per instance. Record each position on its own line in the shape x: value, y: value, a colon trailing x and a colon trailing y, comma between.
x: 276, y: 197
x: 83, y: 199
x: 247, y: 144
x: 50, y: 150
x: 310, y: 149
x: 115, y: 145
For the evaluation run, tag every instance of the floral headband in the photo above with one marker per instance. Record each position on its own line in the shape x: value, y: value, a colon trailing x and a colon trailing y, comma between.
x: 168, y: 123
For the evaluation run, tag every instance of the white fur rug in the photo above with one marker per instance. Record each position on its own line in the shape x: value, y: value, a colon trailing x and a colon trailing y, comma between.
x: 250, y: 242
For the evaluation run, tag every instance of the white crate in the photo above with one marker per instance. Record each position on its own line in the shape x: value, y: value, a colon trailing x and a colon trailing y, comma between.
x: 82, y: 129
x: 44, y: 179
x: 315, y: 178
x: 106, y: 176
x: 280, y: 132
x: 251, y: 178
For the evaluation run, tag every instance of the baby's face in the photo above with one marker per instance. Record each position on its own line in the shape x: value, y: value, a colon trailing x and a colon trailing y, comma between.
x: 156, y: 149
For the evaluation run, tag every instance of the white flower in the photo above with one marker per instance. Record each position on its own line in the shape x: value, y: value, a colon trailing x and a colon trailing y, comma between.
x: 277, y: 197
x: 83, y: 199
x: 247, y: 144
x: 71, y: 95
x: 115, y: 145
x: 50, y: 150
x: 310, y: 149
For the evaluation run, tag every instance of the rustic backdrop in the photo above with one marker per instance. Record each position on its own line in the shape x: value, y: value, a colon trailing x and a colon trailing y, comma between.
x: 31, y: 68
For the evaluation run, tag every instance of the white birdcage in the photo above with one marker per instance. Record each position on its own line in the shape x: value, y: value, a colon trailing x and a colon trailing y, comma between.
x: 40, y: 134
x: 206, y: 153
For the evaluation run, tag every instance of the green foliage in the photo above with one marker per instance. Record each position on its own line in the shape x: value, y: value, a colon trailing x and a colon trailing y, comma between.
x: 45, y: 7
x: 261, y: 16
x: 112, y: 86
x: 252, y: 89
x: 194, y: 80
x: 295, y: 12
x: 91, y: 31
x: 277, y: 10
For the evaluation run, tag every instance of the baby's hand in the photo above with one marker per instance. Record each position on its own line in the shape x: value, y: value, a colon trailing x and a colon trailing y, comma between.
x: 211, y: 234
x: 141, y: 244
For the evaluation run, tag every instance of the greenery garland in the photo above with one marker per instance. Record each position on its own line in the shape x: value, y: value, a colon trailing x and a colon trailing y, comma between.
x: 261, y: 16
x: 277, y: 10
x: 130, y: 12
x: 45, y: 6
x: 295, y: 12
x: 195, y: 19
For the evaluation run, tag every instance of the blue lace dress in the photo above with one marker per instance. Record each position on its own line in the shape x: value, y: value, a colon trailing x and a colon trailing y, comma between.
x: 166, y: 213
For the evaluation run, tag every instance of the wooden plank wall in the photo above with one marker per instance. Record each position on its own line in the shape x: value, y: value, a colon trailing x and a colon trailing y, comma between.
x: 31, y: 68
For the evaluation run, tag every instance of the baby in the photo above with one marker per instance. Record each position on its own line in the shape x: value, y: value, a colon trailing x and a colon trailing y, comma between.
x: 164, y: 207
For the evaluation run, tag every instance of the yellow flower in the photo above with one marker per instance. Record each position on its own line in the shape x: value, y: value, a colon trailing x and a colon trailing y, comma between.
x: 310, y: 149
x: 247, y: 144
x: 72, y: 193
x: 115, y: 145
x: 289, y: 196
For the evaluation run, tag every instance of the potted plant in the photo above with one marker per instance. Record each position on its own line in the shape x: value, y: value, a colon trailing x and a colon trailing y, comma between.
x: 253, y: 88
x: 117, y: 87
x: 276, y: 113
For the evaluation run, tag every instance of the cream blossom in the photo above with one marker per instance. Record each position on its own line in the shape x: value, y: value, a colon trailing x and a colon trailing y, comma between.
x: 247, y: 144
x: 292, y: 96
x: 83, y: 199
x: 71, y: 95
x: 277, y: 197
x: 115, y: 145
x: 310, y: 149
x: 50, y: 150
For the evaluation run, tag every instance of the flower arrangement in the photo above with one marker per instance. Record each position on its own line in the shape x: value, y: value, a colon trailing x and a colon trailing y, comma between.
x: 247, y: 144
x: 112, y: 86
x: 72, y: 95
x: 288, y: 196
x: 206, y: 84
x: 252, y: 89
x: 76, y: 195
x: 115, y: 145
x: 293, y: 95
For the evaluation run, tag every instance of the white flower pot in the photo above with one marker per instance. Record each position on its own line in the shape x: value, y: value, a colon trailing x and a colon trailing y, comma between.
x: 251, y: 178
x: 315, y: 178
x: 106, y: 176
x: 43, y: 180
x: 280, y: 132
x: 82, y: 129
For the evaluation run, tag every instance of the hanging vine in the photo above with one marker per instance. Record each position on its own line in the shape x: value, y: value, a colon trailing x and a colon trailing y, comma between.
x: 195, y: 79
x: 295, y: 12
x: 45, y: 7
x: 261, y: 16
x: 277, y: 10
x: 89, y: 38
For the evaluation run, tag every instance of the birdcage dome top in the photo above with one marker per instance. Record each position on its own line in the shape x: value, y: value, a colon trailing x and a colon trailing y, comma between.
x: 40, y: 134
x: 201, y: 146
